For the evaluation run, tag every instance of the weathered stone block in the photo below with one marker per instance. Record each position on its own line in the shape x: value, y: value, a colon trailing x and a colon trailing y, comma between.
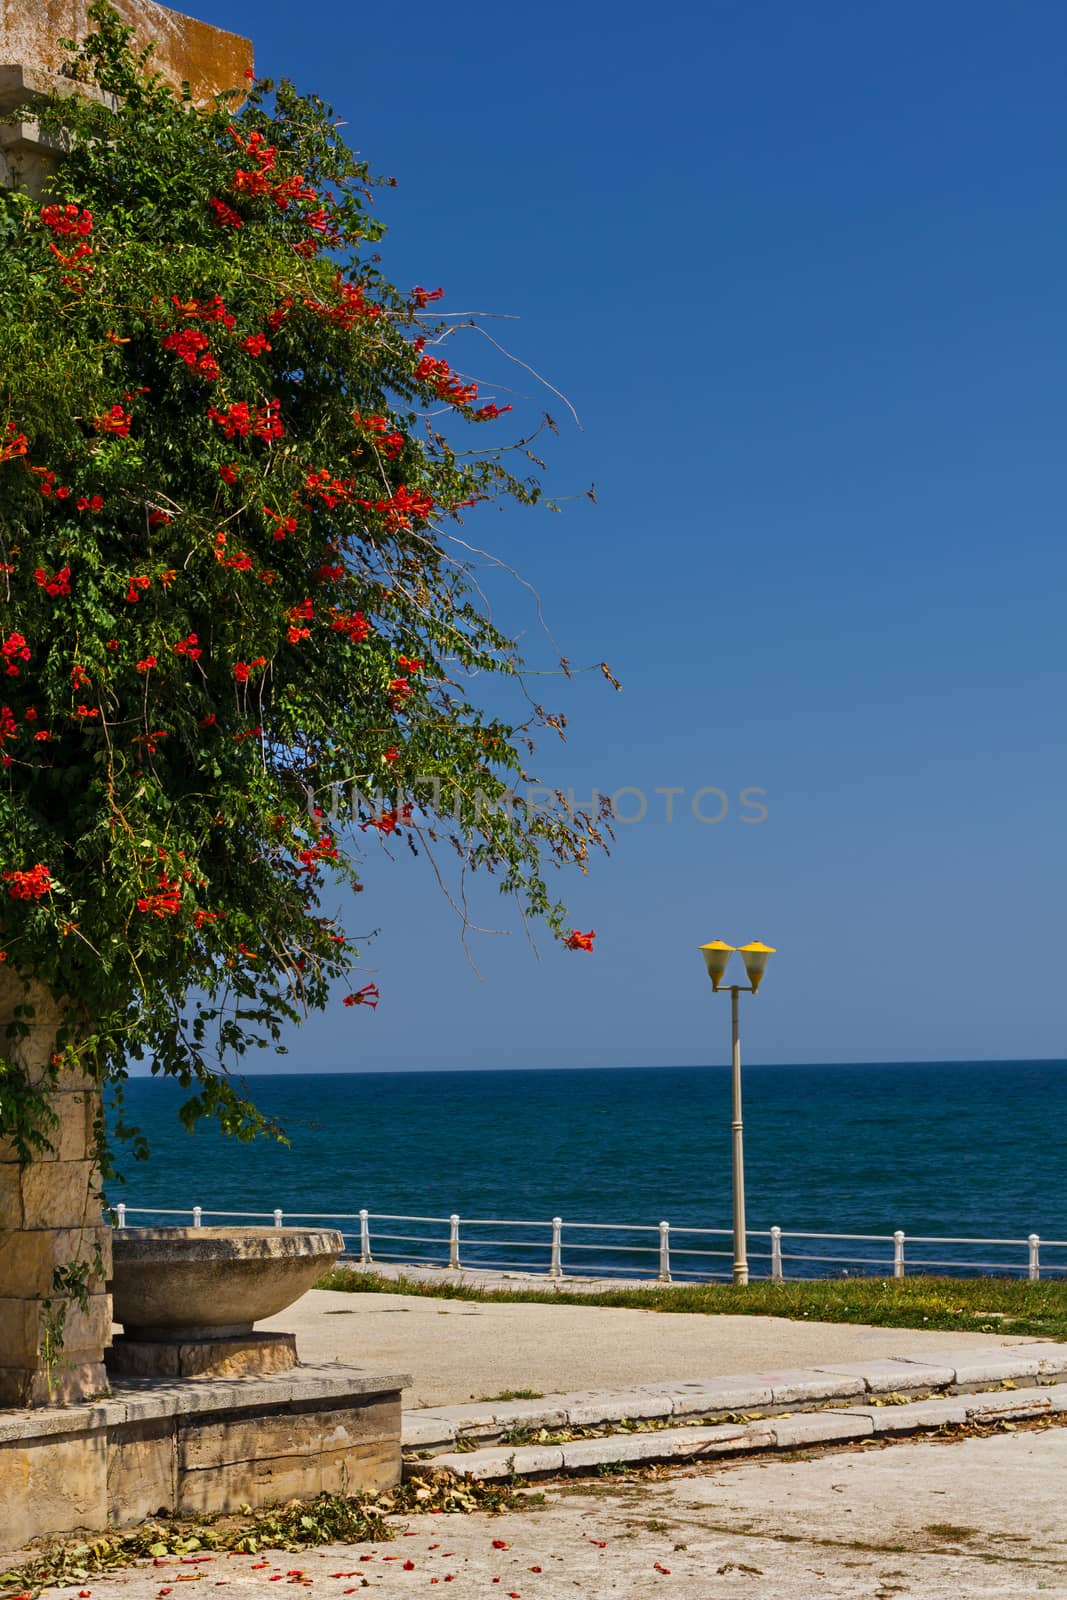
x: 142, y: 1472
x: 281, y: 1434
x: 820, y: 1427
x: 59, y: 1194
x: 29, y: 1259
x: 52, y: 1486
x: 244, y: 1355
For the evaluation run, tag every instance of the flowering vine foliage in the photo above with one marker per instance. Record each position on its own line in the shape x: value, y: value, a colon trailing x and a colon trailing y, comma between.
x: 231, y: 457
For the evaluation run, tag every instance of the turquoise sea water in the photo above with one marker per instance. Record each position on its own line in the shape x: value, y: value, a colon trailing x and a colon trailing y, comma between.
x: 940, y: 1148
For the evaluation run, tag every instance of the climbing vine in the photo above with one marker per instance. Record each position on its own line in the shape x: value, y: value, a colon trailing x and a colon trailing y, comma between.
x: 233, y: 459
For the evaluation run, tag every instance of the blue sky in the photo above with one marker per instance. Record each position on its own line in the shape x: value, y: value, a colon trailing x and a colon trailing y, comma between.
x: 799, y: 269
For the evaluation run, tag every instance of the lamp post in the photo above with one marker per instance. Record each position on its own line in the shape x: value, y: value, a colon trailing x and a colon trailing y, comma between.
x: 716, y: 958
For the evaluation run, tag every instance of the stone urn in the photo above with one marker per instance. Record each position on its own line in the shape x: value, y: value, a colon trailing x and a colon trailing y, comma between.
x: 189, y: 1298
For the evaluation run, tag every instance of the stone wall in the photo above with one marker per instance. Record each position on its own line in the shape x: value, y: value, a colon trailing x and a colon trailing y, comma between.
x: 197, y: 1447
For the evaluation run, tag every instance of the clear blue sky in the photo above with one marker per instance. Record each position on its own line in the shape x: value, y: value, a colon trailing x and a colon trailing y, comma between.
x: 800, y: 269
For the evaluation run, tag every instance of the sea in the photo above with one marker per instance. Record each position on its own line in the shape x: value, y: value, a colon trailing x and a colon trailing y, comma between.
x: 968, y: 1150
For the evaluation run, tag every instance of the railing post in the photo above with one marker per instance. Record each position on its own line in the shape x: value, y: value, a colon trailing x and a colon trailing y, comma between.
x: 365, y: 1257
x: 1034, y: 1241
x: 898, y: 1253
x: 453, y: 1243
x: 120, y: 1214
x: 555, y: 1269
x: 776, y: 1255
x: 197, y: 1215
x: 664, y: 1252
x: 277, y: 1216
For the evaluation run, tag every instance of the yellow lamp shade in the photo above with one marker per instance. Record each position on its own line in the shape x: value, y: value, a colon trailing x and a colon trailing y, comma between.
x: 716, y: 955
x: 755, y: 957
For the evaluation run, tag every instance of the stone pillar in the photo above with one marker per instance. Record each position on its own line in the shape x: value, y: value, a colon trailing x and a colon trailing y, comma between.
x: 32, y: 62
x: 50, y: 1218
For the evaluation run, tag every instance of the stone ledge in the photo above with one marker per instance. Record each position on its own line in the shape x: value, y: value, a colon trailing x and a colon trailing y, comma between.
x: 147, y: 1399
x: 195, y: 1447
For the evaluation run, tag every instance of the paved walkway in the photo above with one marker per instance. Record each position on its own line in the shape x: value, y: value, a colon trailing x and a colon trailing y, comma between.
x: 461, y: 1350
x: 976, y: 1519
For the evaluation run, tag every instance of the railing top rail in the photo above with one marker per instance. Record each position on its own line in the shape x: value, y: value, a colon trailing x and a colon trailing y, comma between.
x: 390, y: 1216
x: 503, y: 1222
x: 918, y: 1238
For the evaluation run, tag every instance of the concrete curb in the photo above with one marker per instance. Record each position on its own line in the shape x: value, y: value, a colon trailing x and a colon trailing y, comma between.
x: 777, y: 1433
x: 439, y: 1429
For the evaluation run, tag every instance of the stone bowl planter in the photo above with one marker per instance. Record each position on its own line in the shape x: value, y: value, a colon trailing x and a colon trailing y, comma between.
x: 186, y: 1284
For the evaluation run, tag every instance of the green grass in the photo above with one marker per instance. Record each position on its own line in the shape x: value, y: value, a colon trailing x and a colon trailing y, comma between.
x: 973, y: 1305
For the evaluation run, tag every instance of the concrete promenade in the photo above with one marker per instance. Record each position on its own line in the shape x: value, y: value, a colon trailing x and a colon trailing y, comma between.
x: 972, y: 1519
x: 462, y: 1350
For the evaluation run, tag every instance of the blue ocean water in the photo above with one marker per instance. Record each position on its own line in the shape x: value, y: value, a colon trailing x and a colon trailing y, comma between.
x: 937, y: 1148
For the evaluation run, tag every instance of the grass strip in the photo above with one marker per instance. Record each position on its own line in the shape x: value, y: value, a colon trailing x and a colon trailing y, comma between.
x: 970, y: 1305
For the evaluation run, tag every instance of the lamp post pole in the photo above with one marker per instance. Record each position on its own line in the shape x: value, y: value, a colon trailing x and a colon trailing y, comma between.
x: 716, y: 958
x: 740, y: 1250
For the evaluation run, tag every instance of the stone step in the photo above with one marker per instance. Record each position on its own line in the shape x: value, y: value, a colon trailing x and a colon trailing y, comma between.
x: 796, y: 1431
x: 437, y: 1430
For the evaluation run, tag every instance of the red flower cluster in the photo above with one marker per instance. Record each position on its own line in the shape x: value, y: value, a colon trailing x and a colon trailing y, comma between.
x: 580, y: 941
x: 137, y: 586
x: 390, y: 440
x: 56, y: 585
x: 255, y: 145
x: 355, y: 627
x: 331, y: 491
x: 16, y: 445
x: 147, y: 664
x: 64, y: 220
x: 304, y: 612
x: 294, y: 188
x: 282, y: 525
x: 354, y: 306
x: 279, y: 314
x: 189, y: 647
x: 401, y: 506
x: 229, y: 473
x: 167, y: 902
x: 114, y: 421
x: 192, y: 347
x: 29, y: 885
x: 242, y: 669
x: 213, y: 310
x: 367, y: 996
x: 389, y: 821
x: 487, y: 413
x: 9, y: 728
x: 444, y: 382
x: 47, y: 484
x: 14, y: 648
x: 255, y: 344
x: 410, y: 663
x: 94, y: 502
x: 240, y: 419
x: 325, y: 850
x: 330, y: 574
x: 421, y: 297
x: 225, y: 216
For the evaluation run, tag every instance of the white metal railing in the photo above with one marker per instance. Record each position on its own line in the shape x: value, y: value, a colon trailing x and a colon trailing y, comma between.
x: 606, y: 1249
